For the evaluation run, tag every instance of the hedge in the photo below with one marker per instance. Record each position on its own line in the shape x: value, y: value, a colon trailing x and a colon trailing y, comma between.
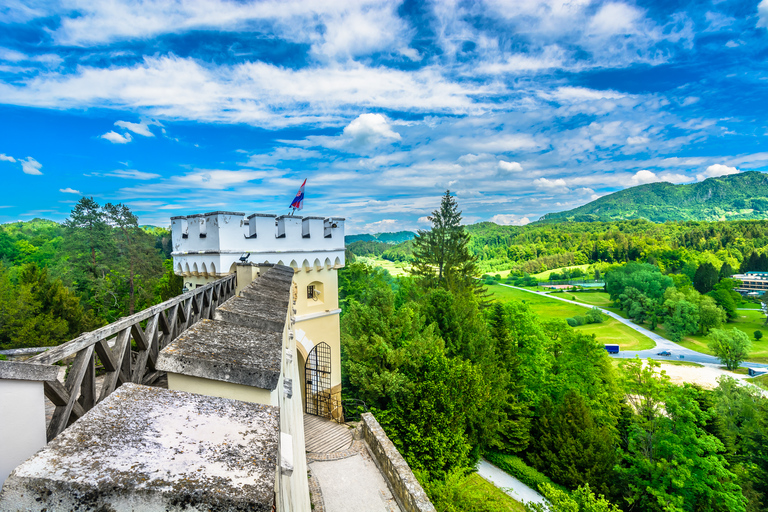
x: 516, y: 467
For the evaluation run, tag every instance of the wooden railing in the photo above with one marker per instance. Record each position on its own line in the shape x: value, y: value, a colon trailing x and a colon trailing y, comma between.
x: 127, y: 351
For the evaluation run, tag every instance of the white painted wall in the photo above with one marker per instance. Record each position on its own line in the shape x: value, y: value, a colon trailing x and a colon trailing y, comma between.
x: 22, y: 427
x: 298, y: 242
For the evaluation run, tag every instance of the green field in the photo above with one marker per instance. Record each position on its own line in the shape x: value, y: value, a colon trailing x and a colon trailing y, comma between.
x: 611, y: 331
x: 543, y: 276
x: 395, y: 269
x: 482, y: 487
x: 749, y: 322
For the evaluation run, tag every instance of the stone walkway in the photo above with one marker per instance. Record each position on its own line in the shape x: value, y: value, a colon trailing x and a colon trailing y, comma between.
x: 343, y: 476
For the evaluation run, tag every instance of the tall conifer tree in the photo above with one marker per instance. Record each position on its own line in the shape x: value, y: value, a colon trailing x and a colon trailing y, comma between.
x: 441, y: 255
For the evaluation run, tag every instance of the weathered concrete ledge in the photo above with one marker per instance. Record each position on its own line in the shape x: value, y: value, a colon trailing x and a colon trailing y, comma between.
x: 153, y: 449
x: 406, y: 489
x: 17, y: 370
x: 266, y: 294
x: 256, y: 314
x: 226, y: 352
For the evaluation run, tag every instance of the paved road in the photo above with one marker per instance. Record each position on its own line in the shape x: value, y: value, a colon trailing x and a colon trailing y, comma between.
x: 662, y: 343
x: 516, y: 489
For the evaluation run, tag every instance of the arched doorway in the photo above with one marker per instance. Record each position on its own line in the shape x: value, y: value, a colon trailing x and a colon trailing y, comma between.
x: 317, y: 380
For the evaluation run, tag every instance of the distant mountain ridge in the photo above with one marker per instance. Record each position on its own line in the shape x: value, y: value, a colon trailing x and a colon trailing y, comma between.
x: 742, y: 196
x: 387, y: 238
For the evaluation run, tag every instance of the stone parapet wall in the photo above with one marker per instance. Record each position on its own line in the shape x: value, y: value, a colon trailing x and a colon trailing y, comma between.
x: 407, y: 490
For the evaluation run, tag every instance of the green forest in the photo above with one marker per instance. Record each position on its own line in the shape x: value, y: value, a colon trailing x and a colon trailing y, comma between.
x: 453, y: 377
x: 60, y: 280
x: 538, y: 247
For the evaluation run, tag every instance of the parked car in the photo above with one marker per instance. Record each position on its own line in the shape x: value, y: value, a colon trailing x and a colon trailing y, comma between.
x: 664, y: 353
x: 612, y: 349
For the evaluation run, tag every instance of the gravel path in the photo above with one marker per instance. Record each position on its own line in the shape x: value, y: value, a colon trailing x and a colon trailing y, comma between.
x: 513, y: 487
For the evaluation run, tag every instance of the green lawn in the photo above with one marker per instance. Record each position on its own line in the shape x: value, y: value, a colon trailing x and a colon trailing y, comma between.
x: 611, y: 331
x: 749, y: 322
x: 761, y: 381
x: 482, y: 487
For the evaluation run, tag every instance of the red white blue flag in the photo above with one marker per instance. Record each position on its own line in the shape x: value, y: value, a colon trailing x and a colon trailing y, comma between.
x: 298, y: 201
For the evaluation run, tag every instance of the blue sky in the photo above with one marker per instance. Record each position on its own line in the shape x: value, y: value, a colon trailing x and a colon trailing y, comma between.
x: 522, y: 107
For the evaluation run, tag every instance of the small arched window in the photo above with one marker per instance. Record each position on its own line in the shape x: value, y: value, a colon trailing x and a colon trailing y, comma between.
x: 315, y: 293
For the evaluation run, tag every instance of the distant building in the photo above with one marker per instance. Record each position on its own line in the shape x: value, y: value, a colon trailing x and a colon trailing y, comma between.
x: 208, y: 246
x: 753, y: 284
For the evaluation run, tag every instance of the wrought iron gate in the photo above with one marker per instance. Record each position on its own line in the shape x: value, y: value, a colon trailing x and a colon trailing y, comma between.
x: 317, y: 372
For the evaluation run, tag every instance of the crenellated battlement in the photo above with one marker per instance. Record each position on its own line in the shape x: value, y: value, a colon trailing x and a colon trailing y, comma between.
x: 208, y: 244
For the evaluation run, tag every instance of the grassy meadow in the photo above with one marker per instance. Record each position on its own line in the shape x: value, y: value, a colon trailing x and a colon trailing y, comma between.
x: 611, y: 331
x: 749, y: 322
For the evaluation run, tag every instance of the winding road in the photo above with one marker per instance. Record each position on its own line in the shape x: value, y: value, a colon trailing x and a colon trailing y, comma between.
x: 662, y: 343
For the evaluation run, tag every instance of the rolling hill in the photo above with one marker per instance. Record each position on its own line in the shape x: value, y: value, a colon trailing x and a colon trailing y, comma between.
x: 733, y: 197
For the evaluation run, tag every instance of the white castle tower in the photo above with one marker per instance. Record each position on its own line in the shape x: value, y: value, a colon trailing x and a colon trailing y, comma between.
x: 209, y: 246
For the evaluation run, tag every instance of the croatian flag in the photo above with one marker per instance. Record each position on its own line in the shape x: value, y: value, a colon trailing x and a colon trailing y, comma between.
x: 298, y: 201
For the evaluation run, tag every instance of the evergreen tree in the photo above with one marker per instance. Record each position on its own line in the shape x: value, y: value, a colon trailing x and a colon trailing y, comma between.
x: 441, y: 255
x: 706, y: 278
x: 726, y: 270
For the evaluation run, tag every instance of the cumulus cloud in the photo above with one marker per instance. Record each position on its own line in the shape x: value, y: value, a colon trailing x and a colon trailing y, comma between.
x: 31, y: 166
x: 762, y: 12
x: 6, y: 158
x: 69, y: 191
x: 510, y: 166
x: 557, y: 184
x: 643, y: 177
x: 716, y: 170
x: 382, y: 226
x: 510, y: 220
x: 141, y: 128
x: 368, y: 128
x: 116, y: 138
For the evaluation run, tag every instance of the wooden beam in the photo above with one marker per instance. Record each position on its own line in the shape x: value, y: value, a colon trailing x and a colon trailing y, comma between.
x: 111, y: 378
x: 139, y: 337
x: 61, y: 415
x: 105, y: 355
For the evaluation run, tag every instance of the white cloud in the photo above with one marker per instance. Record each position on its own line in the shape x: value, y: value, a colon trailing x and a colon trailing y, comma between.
x: 6, y: 158
x: 141, y: 128
x: 382, y: 226
x: 637, y: 140
x: 762, y: 13
x: 552, y: 185
x: 116, y: 138
x: 510, y: 220
x: 69, y: 191
x: 716, y: 170
x: 615, y: 18
x: 252, y: 92
x: 643, y: 177
x: 31, y: 166
x: 369, y: 128
x: 132, y: 174
x: 424, y: 220
x: 510, y: 166
x: 576, y: 94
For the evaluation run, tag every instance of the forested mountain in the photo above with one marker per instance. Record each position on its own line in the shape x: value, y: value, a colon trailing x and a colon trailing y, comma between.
x: 737, y: 196
x: 387, y: 238
x: 542, y: 246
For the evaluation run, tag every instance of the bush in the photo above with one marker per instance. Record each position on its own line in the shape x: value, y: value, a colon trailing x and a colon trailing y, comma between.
x: 758, y: 335
x: 580, y: 319
x: 594, y: 316
x: 572, y: 322
x: 517, y: 467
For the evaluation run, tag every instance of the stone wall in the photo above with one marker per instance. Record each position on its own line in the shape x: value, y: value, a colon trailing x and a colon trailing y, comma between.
x: 407, y: 490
